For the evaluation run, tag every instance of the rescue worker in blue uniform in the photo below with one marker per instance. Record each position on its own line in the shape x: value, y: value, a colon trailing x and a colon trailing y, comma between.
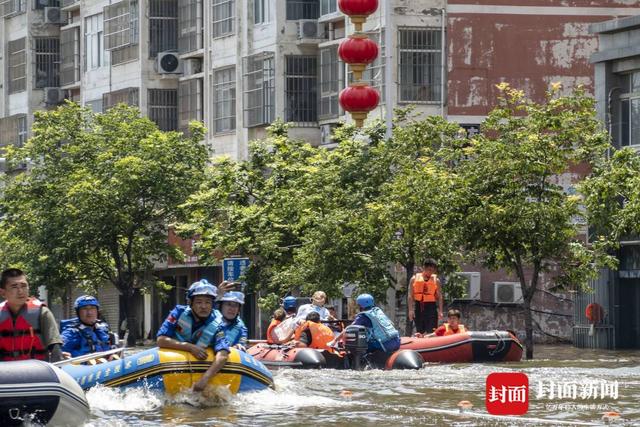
x: 86, y: 333
x: 195, y: 327
x: 234, y: 328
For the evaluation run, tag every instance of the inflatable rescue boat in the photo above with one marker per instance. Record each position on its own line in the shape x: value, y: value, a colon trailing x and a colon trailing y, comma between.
x: 38, y: 393
x: 171, y: 371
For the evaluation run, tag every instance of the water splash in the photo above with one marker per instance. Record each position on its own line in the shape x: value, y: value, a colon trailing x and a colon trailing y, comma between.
x: 139, y: 399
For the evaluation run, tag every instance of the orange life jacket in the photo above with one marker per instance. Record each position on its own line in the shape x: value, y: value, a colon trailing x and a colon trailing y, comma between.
x: 321, y: 335
x: 449, y: 331
x: 21, y: 339
x: 272, y: 325
x: 424, y: 290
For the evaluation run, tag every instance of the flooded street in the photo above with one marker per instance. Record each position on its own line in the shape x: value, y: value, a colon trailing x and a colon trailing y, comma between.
x: 426, y: 397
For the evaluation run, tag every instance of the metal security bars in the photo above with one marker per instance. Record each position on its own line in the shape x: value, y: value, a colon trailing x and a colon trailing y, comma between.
x: 223, y: 16
x: 47, y: 71
x: 420, y: 67
x: 224, y: 100
x: 331, y: 82
x: 17, y: 69
x: 70, y: 55
x: 302, y: 9
x: 119, y: 21
x: 10, y: 8
x: 190, y: 103
x: 260, y: 90
x: 301, y: 89
x: 127, y: 96
x: 190, y: 25
x: 261, y: 11
x: 163, y: 26
x: 163, y: 108
x: 13, y: 130
x: 327, y: 7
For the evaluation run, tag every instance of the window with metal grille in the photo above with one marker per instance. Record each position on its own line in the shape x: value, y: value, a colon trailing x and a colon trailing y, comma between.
x: 47, y: 72
x: 163, y: 108
x: 17, y: 72
x: 70, y: 56
x: 11, y: 8
x: 420, y: 66
x: 223, y: 15
x: 259, y: 89
x: 302, y: 9
x: 189, y: 25
x: 301, y: 80
x: 262, y: 11
x: 190, y: 102
x: 626, y: 128
x: 127, y: 96
x: 13, y: 130
x: 94, y: 56
x: 163, y: 26
x: 331, y: 82
x: 327, y: 7
x: 224, y: 100
x: 121, y: 24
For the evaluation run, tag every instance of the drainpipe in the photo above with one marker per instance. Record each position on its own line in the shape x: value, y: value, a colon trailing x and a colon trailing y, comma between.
x: 388, y: 70
x: 609, y: 115
x: 443, y: 59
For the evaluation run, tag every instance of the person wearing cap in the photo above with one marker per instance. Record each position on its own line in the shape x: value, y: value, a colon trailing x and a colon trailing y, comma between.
x: 318, y: 301
x: 234, y: 328
x: 195, y: 327
x: 86, y: 333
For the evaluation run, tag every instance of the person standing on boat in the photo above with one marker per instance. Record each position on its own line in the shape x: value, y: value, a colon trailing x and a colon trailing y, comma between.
x: 318, y: 300
x: 196, y: 327
x: 453, y: 326
x: 424, y: 292
x: 86, y: 333
x: 28, y: 329
x: 235, y: 330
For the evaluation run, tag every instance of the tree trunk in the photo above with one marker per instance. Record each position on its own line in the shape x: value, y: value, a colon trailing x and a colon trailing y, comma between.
x: 528, y: 327
x: 130, y: 313
x: 408, y: 327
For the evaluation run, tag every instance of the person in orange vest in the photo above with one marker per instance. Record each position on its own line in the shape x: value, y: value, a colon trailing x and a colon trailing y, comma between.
x: 453, y: 326
x: 314, y: 334
x: 28, y: 329
x: 424, y: 293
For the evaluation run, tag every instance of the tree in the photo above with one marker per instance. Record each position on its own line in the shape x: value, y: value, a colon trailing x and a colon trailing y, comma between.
x: 99, y: 195
x: 512, y: 214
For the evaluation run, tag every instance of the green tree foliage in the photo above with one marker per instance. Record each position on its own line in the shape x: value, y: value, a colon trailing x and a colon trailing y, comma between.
x: 99, y: 195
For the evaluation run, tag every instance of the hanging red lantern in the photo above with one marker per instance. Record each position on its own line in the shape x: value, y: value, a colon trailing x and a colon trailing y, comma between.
x: 358, y: 51
x: 358, y: 10
x: 358, y: 99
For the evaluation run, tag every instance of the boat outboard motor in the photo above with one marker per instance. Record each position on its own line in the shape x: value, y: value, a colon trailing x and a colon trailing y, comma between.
x: 355, y: 343
x: 310, y: 359
x: 405, y: 359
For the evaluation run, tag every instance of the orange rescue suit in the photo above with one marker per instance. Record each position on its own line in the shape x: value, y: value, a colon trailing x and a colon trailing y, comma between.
x: 272, y: 325
x: 424, y: 290
x: 448, y: 331
x: 321, y: 335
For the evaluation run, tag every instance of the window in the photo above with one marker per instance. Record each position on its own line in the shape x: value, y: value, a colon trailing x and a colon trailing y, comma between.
x: 327, y: 7
x: 13, y: 130
x: 95, y: 105
x: 259, y: 92
x: 163, y: 108
x: 420, y: 67
x: 11, y: 8
x: 93, y: 42
x: 301, y: 79
x: 331, y: 82
x: 127, y: 96
x: 628, y: 123
x: 121, y: 31
x: 261, y: 11
x: 223, y: 17
x: 163, y: 26
x: 190, y: 102
x: 17, y: 65
x: 224, y: 100
x: 189, y: 25
x: 375, y: 72
x: 70, y: 56
x: 302, y: 9
x: 47, y: 72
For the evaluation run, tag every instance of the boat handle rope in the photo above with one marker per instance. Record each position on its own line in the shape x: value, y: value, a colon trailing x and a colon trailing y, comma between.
x: 499, y: 347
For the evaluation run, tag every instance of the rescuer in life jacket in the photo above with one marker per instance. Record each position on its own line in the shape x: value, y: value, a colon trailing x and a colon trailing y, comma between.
x: 86, y: 333
x: 453, y: 326
x: 28, y: 329
x: 195, y: 327
x: 284, y: 333
x: 424, y: 293
x: 314, y: 334
x: 235, y: 330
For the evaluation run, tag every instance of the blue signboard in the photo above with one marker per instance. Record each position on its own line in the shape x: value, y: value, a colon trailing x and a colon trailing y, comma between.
x: 233, y: 268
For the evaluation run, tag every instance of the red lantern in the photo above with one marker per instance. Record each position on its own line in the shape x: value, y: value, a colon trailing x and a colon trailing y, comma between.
x: 358, y: 10
x: 359, y: 99
x: 358, y: 51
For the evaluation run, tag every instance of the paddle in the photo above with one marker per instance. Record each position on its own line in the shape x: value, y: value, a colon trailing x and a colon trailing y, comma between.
x: 91, y: 356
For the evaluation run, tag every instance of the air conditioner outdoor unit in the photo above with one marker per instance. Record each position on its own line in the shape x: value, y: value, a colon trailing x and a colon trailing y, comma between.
x: 168, y: 63
x: 53, y: 15
x: 472, y: 286
x: 192, y: 66
x: 53, y: 95
x: 310, y: 29
x: 507, y: 292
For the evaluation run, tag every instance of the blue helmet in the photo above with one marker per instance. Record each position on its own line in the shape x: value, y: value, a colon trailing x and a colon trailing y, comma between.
x: 289, y: 303
x: 233, y: 296
x: 201, y: 287
x: 84, y: 301
x: 365, y: 301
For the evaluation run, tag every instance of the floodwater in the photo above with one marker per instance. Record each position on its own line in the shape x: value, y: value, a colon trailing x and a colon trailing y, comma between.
x: 398, y: 398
